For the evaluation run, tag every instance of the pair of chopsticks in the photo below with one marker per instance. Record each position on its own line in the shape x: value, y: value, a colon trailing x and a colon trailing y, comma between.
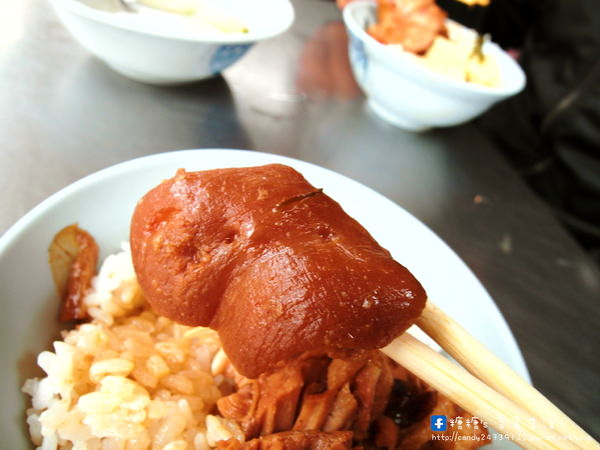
x: 507, y: 402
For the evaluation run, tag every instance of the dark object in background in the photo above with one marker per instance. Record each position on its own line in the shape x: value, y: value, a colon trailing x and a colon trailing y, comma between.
x: 551, y: 131
x: 472, y: 16
x: 507, y: 21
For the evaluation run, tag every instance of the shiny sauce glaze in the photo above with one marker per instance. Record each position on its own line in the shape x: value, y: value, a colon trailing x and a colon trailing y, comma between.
x: 271, y: 262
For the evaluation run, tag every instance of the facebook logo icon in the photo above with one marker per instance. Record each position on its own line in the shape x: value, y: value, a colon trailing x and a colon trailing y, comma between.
x: 438, y: 423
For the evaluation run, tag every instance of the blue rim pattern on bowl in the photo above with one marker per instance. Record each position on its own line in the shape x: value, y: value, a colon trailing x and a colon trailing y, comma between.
x: 225, y: 55
x: 358, y: 56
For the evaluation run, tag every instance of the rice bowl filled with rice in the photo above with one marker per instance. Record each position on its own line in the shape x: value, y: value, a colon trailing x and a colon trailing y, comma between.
x: 58, y: 402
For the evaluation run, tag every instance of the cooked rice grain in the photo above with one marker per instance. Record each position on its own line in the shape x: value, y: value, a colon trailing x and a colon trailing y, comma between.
x: 128, y: 379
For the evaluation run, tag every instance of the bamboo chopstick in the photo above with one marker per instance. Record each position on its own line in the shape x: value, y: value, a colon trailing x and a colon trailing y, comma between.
x: 473, y: 395
x: 478, y: 360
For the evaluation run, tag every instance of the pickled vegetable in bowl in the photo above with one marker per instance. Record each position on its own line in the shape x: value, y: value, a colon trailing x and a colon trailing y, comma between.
x: 420, y: 28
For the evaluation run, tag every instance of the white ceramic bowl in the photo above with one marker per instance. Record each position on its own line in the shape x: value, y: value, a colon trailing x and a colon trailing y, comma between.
x: 156, y: 52
x: 410, y: 96
x: 102, y: 203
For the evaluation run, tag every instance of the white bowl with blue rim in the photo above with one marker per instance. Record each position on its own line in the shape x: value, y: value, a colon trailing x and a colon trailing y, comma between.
x: 407, y: 94
x: 161, y: 48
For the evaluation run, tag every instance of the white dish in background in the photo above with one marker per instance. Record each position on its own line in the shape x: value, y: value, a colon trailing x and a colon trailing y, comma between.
x: 102, y: 203
x: 408, y: 95
x: 161, y: 48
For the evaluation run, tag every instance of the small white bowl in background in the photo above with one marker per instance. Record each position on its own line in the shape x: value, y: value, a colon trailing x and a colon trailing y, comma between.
x: 408, y: 95
x: 162, y: 48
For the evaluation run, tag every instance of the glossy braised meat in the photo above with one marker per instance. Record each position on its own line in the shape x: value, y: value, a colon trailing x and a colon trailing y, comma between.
x: 269, y: 261
x: 73, y: 257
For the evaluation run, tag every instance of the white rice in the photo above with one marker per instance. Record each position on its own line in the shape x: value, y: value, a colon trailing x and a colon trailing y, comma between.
x: 128, y: 379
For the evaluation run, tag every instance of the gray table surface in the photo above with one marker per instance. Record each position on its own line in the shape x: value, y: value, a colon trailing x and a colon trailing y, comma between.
x: 64, y: 114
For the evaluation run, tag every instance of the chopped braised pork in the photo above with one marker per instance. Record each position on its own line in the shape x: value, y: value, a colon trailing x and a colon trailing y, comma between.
x: 369, y: 395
